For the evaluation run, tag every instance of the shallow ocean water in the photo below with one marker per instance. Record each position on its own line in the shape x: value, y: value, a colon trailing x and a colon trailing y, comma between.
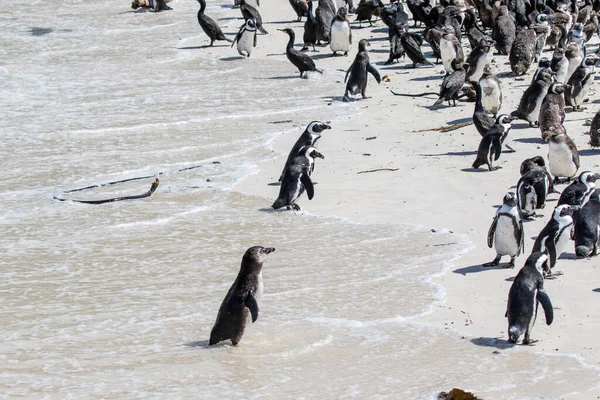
x: 117, y: 300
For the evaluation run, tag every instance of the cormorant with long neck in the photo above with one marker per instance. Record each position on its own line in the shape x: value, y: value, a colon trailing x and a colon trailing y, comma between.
x: 302, y: 61
x: 209, y: 26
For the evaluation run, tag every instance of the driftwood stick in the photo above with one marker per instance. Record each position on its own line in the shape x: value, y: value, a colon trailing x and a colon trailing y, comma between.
x: 447, y: 128
x: 378, y: 169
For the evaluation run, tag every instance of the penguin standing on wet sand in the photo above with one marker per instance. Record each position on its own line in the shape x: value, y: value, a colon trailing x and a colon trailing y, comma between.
x: 525, y: 293
x: 555, y: 236
x: 563, y: 157
x: 297, y: 179
x: 506, y: 232
x: 209, y: 26
x: 246, y: 38
x: 586, y: 231
x: 357, y: 73
x: 241, y: 299
x: 309, y: 137
x: 300, y: 60
x: 340, y: 33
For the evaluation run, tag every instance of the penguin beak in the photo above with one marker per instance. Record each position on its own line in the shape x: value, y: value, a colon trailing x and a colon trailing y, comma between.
x: 325, y: 126
x: 268, y: 250
x: 316, y: 154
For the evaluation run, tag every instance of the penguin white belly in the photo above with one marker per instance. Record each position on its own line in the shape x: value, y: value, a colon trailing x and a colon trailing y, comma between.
x: 530, y: 203
x: 505, y: 242
x: 340, y: 36
x: 563, y: 69
x: 448, y: 53
x: 245, y: 44
x: 573, y: 64
x: 561, y: 162
x: 490, y: 96
x: 581, y: 96
x: 535, y: 114
x: 563, y: 240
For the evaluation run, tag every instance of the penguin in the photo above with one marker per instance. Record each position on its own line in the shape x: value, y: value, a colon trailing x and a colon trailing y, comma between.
x: 412, y: 46
x: 553, y: 239
x: 526, y: 291
x: 506, y: 232
x: 300, y: 60
x: 586, y: 230
x: 579, y: 192
x: 241, y: 299
x: 249, y: 12
x: 580, y: 83
x: 552, y: 110
x: 474, y: 34
x: 491, y: 91
x: 340, y: 33
x: 531, y: 101
x: 478, y: 59
x: 595, y: 130
x: 310, y: 29
x: 209, y: 26
x: 543, y: 64
x: 482, y: 121
x: 576, y: 36
x: 357, y: 73
x: 297, y: 179
x: 300, y: 8
x: 542, y: 31
x: 324, y: 15
x: 522, y: 52
x: 452, y: 83
x: 450, y: 49
x: 585, y: 12
x: 538, y: 162
x: 490, y: 146
x: 532, y: 190
x: 563, y: 157
x: 574, y: 57
x: 309, y: 137
x: 560, y: 65
x: 246, y: 38
x: 504, y: 31
x: 590, y: 27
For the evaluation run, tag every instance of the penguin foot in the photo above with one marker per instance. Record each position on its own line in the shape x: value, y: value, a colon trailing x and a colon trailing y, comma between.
x: 510, y: 265
x: 496, y: 168
x: 493, y: 263
x: 295, y: 207
x: 510, y: 148
x: 305, y: 48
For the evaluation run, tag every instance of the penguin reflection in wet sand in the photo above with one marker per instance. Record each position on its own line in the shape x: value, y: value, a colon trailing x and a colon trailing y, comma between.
x: 241, y: 299
x: 356, y: 76
x: 309, y: 137
x: 525, y: 293
x: 490, y: 146
x: 555, y: 236
x: 506, y: 232
x: 246, y: 38
x: 340, y: 33
x: 297, y: 179
x: 300, y: 60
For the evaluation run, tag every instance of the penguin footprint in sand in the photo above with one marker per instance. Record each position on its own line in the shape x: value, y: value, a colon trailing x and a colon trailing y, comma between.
x: 356, y: 76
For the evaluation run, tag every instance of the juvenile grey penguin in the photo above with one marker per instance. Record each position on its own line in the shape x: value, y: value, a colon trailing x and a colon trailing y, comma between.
x: 309, y: 137
x: 450, y: 49
x: 522, y: 52
x: 544, y: 64
x: 525, y: 293
x: 576, y: 36
x: 300, y: 60
x: 574, y: 57
x: 580, y: 83
x: 504, y: 31
x: 586, y: 230
x: 532, y: 190
x: 324, y: 15
x: 241, y: 299
x: 297, y: 179
x: 491, y: 91
x: 552, y: 110
x: 531, y: 101
x: 246, y: 38
x: 490, y: 146
x: 340, y: 33
x: 209, y: 26
x: 310, y: 29
x: 542, y: 31
x: 553, y: 239
x: 579, y: 192
x: 506, y: 232
x: 478, y: 59
x: 560, y: 65
x: 356, y: 76
x: 452, y: 83
x: 563, y: 157
x: 595, y: 130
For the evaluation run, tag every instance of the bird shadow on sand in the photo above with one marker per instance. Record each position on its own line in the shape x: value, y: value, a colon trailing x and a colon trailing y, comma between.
x: 379, y: 30
x: 477, y: 268
x: 325, y: 55
x: 510, y: 279
x: 477, y: 170
x: 597, y: 290
x: 427, y: 78
x: 232, y: 58
x: 459, y: 121
x: 200, y: 47
x: 203, y: 344
x: 274, y: 184
x: 280, y: 77
x: 589, y: 152
x: 522, y: 125
x: 229, y: 19
x: 451, y: 153
x: 379, y: 51
x: 497, y: 343
x: 530, y: 140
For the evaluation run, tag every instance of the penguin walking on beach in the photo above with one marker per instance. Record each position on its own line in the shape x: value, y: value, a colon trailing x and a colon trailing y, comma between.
x: 490, y: 146
x: 297, y: 179
x: 300, y: 60
x: 563, y: 157
x: 532, y: 191
x: 506, y: 233
x: 340, y: 33
x: 579, y: 192
x: 491, y: 91
x: 552, y: 110
x: 586, y: 231
x: 209, y: 26
x: 531, y: 101
x: 246, y: 38
x: 555, y: 236
x: 453, y: 83
x: 241, y: 299
x: 524, y: 295
x: 310, y: 137
x: 249, y: 12
x: 580, y: 83
x: 356, y: 76
x: 311, y: 28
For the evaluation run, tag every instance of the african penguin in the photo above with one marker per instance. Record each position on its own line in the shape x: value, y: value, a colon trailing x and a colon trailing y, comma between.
x: 491, y: 91
x: 309, y: 137
x: 246, y: 38
x: 580, y: 83
x: 578, y: 193
x: 532, y: 190
x: 504, y: 31
x: 478, y: 59
x: 560, y: 65
x: 586, y: 230
x: 553, y: 239
x: 506, y: 232
x: 450, y: 49
x: 356, y: 76
x: 522, y: 52
x: 340, y: 33
x: 552, y: 110
x: 531, y: 101
x: 490, y: 146
x: 563, y: 157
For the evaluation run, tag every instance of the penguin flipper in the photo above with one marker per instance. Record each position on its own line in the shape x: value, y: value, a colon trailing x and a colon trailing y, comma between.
x: 252, y: 305
x: 238, y: 36
x: 497, y: 143
x: 255, y: 36
x: 348, y: 72
x: 308, y: 185
x: 543, y: 298
x: 373, y: 71
x: 521, y: 236
x: 491, y: 231
x: 551, y: 248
